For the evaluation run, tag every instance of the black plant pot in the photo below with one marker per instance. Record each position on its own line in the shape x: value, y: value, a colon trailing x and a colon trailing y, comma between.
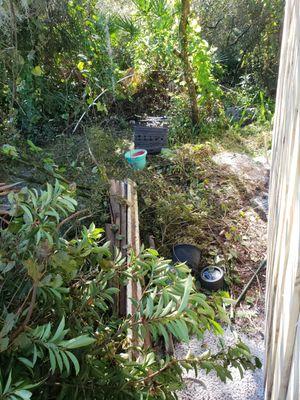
x: 189, y: 254
x: 212, y: 278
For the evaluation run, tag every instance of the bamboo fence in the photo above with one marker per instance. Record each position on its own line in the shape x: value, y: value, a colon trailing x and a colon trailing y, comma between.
x: 123, y: 234
x: 282, y: 366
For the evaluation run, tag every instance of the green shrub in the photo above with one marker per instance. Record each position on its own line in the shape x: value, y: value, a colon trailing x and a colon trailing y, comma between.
x: 59, y: 336
x: 213, y: 122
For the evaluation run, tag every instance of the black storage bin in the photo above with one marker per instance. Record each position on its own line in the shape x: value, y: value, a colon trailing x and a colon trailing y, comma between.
x: 152, y: 139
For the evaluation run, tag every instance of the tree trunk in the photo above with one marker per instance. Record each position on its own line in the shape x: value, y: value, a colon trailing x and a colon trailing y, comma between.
x: 111, y: 59
x: 14, y: 67
x: 282, y: 369
x: 187, y: 68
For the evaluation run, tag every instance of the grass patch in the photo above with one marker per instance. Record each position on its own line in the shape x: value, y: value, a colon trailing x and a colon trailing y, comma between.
x: 254, y: 139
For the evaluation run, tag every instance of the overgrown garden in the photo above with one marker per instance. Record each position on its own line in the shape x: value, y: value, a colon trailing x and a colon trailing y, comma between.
x: 75, y: 75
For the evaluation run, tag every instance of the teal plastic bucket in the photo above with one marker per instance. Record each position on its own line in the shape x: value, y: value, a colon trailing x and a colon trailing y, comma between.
x: 136, y: 158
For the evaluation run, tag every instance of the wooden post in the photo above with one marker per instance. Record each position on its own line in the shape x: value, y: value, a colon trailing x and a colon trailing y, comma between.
x: 112, y: 230
x: 282, y: 367
x: 123, y: 243
x: 124, y: 233
x: 133, y: 240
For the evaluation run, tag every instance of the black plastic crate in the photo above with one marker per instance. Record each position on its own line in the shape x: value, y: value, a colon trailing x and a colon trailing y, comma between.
x: 152, y: 139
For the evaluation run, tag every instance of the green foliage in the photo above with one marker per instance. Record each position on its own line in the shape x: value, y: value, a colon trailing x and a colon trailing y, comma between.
x: 59, y: 335
x: 247, y: 36
x: 156, y: 48
x: 182, y: 130
x: 57, y: 59
x: 56, y: 347
x: 60, y: 63
x: 247, y: 103
x: 40, y: 220
x: 18, y: 390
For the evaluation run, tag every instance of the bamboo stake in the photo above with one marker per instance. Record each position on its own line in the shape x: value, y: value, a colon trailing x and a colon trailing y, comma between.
x: 123, y: 245
x: 125, y: 221
x: 129, y: 241
x: 249, y: 283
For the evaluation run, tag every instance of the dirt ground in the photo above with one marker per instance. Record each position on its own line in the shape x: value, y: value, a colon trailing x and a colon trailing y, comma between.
x: 247, y: 238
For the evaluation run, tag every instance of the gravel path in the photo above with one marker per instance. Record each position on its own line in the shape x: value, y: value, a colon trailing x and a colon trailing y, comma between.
x: 250, y: 387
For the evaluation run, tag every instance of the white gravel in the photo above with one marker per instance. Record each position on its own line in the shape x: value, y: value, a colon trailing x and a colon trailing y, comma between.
x: 245, y: 167
x: 250, y: 387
